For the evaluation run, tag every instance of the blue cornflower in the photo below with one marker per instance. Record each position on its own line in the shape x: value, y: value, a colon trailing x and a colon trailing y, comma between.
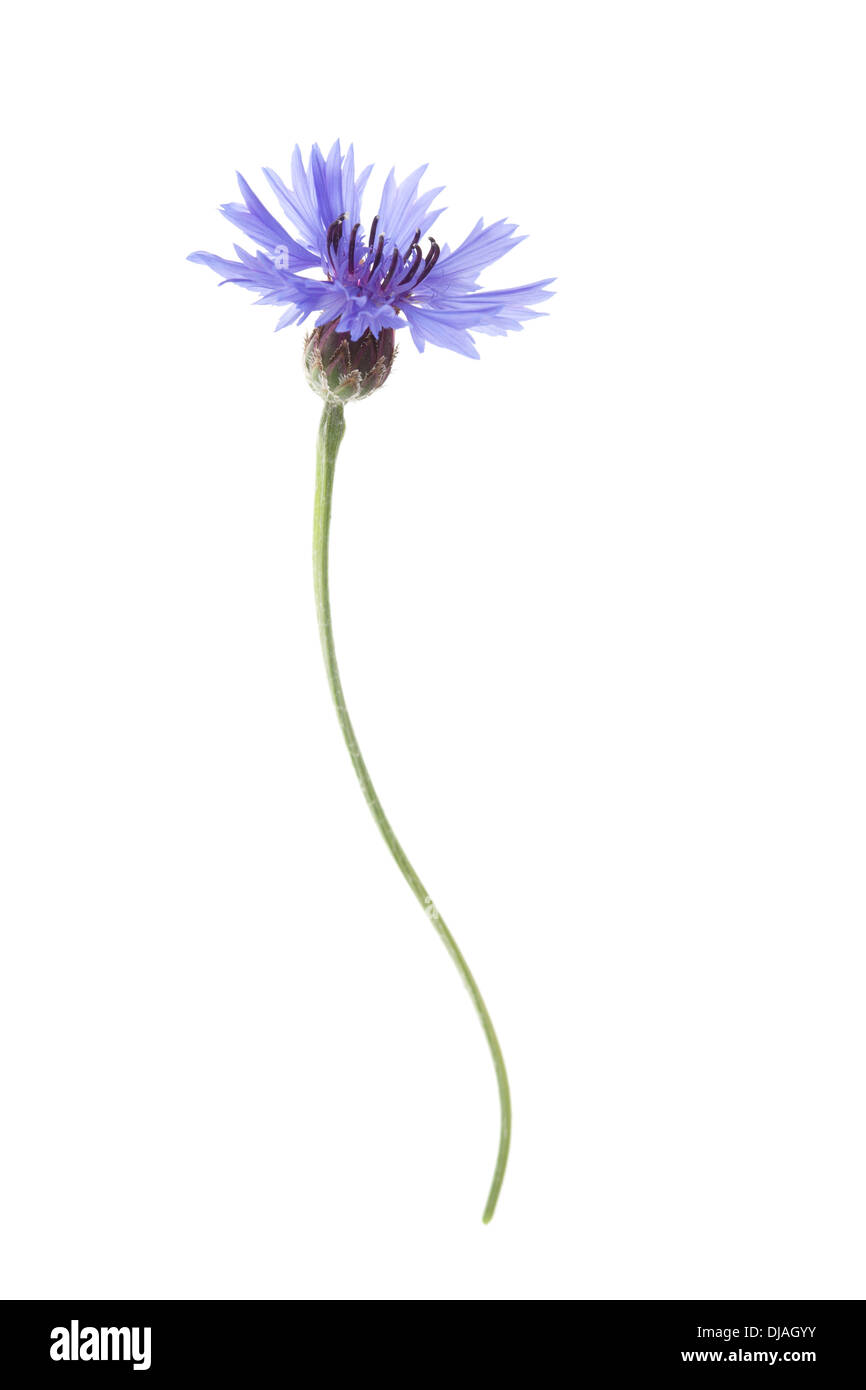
x: 377, y: 277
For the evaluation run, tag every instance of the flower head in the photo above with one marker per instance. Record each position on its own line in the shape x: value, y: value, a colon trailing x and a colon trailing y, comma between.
x: 377, y: 276
x: 340, y: 368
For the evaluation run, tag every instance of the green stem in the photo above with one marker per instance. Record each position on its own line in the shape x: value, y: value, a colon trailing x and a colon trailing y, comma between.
x: 331, y: 431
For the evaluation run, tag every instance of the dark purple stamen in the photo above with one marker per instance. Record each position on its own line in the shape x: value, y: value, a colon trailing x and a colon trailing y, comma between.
x: 373, y: 225
x: 335, y: 231
x: 417, y: 253
x: 352, y: 248
x: 379, y: 253
x: 429, y: 261
x: 392, y: 267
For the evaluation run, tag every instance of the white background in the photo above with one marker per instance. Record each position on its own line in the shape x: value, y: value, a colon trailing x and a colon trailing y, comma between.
x: 599, y: 604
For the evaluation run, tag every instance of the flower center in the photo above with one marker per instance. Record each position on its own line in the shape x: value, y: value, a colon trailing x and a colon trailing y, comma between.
x: 362, y: 263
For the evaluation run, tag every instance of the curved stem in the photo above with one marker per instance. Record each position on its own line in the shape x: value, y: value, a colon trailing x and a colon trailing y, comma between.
x: 331, y: 431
